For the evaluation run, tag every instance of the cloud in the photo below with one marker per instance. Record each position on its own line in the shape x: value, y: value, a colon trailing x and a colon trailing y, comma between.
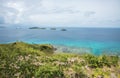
x: 89, y: 13
x: 8, y: 12
x: 1, y: 20
x: 60, y: 12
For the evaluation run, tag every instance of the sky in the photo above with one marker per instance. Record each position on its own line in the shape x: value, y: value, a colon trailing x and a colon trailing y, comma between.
x: 69, y: 13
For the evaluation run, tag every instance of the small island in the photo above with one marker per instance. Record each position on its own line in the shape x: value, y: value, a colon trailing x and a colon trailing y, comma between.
x: 63, y: 29
x: 37, y: 28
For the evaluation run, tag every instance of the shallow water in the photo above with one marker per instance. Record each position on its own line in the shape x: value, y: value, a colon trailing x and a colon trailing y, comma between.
x: 77, y: 40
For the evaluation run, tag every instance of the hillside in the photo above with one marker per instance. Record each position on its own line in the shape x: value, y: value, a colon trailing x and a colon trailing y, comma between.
x: 23, y: 60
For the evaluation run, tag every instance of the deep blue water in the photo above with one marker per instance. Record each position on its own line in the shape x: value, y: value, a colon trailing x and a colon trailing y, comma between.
x: 98, y: 40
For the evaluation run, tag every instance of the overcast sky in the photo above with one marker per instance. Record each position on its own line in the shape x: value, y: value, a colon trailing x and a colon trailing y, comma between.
x: 82, y: 13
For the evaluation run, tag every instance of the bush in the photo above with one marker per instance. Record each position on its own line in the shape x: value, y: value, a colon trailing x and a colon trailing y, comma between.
x: 49, y: 72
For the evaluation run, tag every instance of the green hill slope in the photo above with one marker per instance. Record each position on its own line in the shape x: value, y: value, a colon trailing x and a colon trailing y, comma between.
x: 23, y: 60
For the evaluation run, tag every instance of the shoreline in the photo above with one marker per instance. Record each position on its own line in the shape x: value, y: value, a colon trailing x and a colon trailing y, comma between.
x: 75, y: 50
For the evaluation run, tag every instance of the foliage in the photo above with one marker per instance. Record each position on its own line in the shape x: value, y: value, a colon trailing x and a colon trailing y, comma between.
x: 23, y: 60
x: 100, y: 61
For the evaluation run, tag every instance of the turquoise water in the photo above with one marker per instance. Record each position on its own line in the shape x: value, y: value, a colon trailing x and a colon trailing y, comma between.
x: 92, y: 40
x: 94, y: 47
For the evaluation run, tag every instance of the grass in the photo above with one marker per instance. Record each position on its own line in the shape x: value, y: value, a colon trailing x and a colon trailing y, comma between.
x: 23, y: 60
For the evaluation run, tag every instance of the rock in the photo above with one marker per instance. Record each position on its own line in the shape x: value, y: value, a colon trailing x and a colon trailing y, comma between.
x: 47, y: 48
x: 63, y: 30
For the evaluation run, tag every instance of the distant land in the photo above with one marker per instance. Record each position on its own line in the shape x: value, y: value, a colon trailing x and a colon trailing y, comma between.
x: 36, y: 28
x: 62, y: 29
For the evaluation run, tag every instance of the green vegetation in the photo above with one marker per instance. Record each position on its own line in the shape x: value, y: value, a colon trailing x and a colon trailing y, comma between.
x: 22, y: 60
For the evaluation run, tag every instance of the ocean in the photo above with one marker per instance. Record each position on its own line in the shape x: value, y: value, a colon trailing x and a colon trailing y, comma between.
x: 96, y: 41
